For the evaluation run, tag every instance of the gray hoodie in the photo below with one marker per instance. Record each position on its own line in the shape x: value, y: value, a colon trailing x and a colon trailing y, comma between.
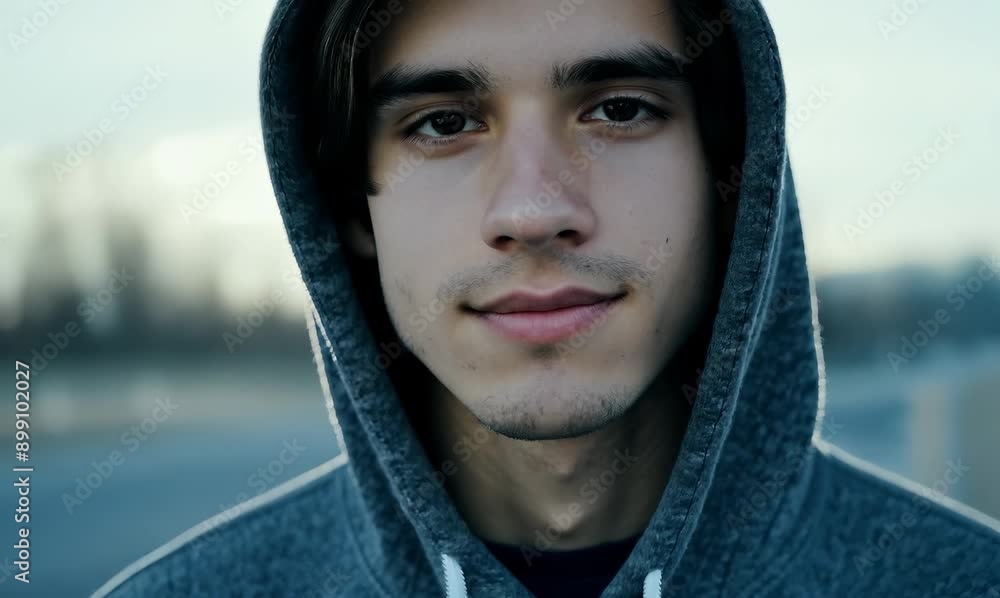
x: 756, y: 505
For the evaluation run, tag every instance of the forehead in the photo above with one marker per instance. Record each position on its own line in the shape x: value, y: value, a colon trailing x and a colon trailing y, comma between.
x: 518, y: 40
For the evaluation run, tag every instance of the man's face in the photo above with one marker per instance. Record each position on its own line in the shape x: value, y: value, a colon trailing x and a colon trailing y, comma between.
x: 507, y: 166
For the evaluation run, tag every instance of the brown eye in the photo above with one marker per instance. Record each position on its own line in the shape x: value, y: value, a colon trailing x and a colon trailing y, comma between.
x: 441, y: 127
x: 447, y: 123
x: 625, y: 111
x: 620, y: 109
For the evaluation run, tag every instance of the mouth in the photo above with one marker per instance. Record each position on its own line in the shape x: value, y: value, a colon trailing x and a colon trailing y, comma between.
x: 545, y: 318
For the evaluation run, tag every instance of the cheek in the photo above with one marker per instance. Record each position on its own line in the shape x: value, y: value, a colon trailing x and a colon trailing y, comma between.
x: 648, y: 193
x: 425, y: 211
x: 412, y: 265
x: 417, y: 315
x: 425, y: 178
x: 424, y: 204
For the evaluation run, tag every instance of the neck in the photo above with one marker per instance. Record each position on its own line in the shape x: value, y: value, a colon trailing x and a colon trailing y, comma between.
x: 563, y: 494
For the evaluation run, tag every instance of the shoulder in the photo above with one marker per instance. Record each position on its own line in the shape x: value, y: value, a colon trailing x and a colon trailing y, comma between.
x: 265, y: 545
x: 890, y: 536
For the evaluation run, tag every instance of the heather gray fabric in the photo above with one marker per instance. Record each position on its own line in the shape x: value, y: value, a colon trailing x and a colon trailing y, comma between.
x: 756, y: 504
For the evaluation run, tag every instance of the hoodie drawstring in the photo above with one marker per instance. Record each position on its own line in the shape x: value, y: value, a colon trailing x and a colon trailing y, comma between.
x: 651, y: 585
x: 454, y: 580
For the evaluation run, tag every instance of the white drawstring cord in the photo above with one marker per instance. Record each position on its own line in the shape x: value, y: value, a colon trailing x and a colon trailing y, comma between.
x: 651, y: 585
x: 454, y: 580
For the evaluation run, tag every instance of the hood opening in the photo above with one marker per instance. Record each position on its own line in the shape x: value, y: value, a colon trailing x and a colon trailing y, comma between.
x: 756, y: 399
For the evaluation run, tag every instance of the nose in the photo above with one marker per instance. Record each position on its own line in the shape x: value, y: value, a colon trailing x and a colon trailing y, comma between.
x: 536, y: 194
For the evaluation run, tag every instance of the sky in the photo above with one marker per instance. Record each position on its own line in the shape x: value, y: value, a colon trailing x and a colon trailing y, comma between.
x: 866, y: 99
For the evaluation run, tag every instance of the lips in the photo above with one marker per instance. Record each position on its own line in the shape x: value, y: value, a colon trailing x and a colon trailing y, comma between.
x: 522, y: 301
x: 547, y: 318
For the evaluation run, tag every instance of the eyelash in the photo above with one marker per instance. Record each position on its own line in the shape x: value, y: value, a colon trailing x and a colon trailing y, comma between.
x: 411, y: 136
x: 656, y: 113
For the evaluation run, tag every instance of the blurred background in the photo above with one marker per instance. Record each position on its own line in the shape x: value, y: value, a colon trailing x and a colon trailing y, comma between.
x: 138, y: 230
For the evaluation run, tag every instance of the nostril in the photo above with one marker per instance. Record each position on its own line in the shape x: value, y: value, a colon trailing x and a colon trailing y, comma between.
x: 571, y: 234
x: 502, y: 242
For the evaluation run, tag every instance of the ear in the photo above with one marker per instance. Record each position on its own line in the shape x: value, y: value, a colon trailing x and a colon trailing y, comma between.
x: 360, y: 240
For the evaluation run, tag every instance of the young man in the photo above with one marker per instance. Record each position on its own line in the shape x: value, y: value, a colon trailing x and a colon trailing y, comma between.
x: 562, y: 312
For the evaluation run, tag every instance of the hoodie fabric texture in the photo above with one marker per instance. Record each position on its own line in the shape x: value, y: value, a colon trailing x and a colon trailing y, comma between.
x: 756, y: 505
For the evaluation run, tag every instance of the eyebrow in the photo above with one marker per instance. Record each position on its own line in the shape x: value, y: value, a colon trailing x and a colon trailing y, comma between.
x: 405, y: 81
x: 646, y: 60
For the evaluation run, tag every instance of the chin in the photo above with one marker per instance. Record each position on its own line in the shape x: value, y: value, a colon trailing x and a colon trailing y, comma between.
x: 539, y: 410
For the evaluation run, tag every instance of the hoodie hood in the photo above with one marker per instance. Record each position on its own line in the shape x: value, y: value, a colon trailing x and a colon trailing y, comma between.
x: 736, y: 492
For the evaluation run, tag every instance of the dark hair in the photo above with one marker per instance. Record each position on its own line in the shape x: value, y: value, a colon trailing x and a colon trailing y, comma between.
x: 340, y: 132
